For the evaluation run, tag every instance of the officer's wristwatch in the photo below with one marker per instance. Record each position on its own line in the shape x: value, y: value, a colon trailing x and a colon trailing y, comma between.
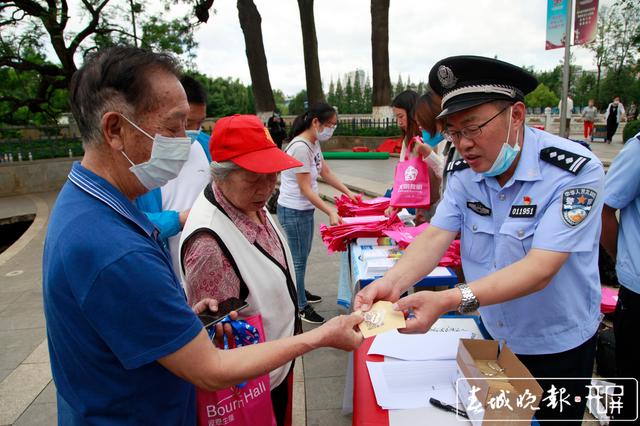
x: 469, y: 303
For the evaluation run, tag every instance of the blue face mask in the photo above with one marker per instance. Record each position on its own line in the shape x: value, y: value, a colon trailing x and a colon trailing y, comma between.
x: 506, y: 156
x: 431, y: 141
x: 193, y: 134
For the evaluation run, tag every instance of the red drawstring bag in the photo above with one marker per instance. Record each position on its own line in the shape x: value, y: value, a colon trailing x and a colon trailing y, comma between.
x: 247, y: 404
x: 411, y: 184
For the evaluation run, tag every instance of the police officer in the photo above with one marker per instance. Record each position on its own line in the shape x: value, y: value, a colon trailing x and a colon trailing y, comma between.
x: 621, y: 240
x: 527, y: 204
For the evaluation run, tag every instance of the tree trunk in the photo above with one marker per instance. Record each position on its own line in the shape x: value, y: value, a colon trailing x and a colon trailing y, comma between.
x: 310, y: 46
x: 250, y: 22
x: 380, y: 58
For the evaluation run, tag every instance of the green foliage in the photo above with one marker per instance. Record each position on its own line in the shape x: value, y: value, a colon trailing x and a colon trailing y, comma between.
x: 296, y: 105
x: 541, y: 97
x: 347, y: 105
x: 40, y: 148
x: 34, y: 89
x: 630, y: 130
x: 174, y: 36
x: 226, y: 96
x: 278, y: 96
x: 347, y: 128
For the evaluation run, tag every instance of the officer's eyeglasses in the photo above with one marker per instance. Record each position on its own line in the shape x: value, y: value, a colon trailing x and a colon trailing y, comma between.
x: 469, y: 132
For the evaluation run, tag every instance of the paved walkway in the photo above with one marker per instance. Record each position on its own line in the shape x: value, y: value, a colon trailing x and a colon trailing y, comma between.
x: 27, y: 394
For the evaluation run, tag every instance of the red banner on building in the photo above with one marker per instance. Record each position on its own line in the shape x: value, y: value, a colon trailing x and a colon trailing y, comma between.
x: 586, y: 22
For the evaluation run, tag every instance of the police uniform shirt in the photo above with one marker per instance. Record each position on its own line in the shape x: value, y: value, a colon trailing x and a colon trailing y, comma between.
x: 552, y: 202
x: 623, y: 192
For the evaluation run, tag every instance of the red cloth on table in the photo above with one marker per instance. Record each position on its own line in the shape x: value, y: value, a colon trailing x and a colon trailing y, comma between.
x: 337, y: 237
x: 403, y: 236
x: 347, y: 208
x: 366, y: 411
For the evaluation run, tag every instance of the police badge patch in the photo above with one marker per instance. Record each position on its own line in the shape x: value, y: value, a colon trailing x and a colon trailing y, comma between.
x: 479, y: 208
x: 576, y: 205
x: 446, y: 77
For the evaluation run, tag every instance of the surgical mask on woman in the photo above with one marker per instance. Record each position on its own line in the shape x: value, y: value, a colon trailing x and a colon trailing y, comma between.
x: 168, y: 155
x: 325, y: 134
x: 506, y: 156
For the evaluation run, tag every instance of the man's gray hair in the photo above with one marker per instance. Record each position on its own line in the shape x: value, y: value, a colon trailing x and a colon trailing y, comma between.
x: 220, y: 171
x: 114, y: 79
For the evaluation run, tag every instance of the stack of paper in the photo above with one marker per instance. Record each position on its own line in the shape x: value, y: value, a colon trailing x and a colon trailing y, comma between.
x: 418, y: 347
x: 416, y: 367
x: 378, y: 266
x: 410, y: 384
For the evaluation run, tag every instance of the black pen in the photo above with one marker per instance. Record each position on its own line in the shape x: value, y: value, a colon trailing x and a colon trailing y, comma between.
x: 447, y: 407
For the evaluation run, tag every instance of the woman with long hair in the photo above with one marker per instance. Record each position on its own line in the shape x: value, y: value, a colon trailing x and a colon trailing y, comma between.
x: 414, y: 114
x: 299, y: 197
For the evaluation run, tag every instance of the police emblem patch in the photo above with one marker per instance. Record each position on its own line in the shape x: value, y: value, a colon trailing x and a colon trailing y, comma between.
x: 446, y: 77
x: 576, y: 205
x: 478, y: 208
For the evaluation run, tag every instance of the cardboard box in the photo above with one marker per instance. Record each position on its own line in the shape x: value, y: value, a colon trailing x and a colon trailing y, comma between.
x: 505, y: 393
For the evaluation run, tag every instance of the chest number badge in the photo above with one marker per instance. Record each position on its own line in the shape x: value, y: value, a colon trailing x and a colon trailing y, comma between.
x: 523, y: 210
x: 576, y: 205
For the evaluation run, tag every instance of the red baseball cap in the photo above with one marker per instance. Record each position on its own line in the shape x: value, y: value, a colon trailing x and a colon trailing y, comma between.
x: 244, y: 140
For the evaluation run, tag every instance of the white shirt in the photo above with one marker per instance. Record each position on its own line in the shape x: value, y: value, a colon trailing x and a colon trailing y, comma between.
x: 310, y: 155
x: 180, y: 193
x: 569, y: 107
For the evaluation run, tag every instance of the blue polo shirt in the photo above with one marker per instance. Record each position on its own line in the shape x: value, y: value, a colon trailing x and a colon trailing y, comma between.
x: 113, y: 307
x: 622, y: 191
x: 542, y: 206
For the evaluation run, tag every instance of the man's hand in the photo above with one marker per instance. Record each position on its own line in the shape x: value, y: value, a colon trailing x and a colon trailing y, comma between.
x: 212, y: 305
x: 380, y: 289
x: 427, y: 306
x: 340, y: 333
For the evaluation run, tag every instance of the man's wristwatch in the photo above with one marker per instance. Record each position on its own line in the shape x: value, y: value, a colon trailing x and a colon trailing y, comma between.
x: 469, y: 303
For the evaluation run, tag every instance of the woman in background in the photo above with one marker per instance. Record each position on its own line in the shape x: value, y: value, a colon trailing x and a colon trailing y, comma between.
x: 299, y: 197
x: 406, y: 112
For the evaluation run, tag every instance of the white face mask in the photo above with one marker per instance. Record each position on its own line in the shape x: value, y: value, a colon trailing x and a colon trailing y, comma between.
x: 325, y: 134
x: 168, y: 155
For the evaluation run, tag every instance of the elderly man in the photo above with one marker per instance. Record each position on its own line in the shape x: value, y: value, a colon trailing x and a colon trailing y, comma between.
x: 168, y: 207
x: 125, y: 346
x: 528, y: 206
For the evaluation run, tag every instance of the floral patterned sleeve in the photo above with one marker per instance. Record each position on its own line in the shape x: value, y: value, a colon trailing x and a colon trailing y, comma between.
x: 208, y: 273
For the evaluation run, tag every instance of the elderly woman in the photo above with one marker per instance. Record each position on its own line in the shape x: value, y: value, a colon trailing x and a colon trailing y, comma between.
x: 231, y: 247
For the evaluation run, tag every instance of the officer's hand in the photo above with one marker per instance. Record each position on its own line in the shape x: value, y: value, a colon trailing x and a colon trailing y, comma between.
x: 340, y: 332
x: 427, y: 307
x: 380, y: 289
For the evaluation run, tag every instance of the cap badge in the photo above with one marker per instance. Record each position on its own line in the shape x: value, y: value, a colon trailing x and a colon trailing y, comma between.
x: 446, y: 77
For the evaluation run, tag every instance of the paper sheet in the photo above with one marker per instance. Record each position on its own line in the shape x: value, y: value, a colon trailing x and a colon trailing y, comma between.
x: 410, y: 384
x: 452, y: 325
x: 440, y: 271
x: 418, y: 347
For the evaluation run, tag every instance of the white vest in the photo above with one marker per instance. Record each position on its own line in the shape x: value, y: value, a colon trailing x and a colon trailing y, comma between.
x: 272, y: 291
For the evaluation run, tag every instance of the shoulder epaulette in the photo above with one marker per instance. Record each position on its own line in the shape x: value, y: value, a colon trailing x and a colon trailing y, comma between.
x: 566, y: 160
x: 454, y: 166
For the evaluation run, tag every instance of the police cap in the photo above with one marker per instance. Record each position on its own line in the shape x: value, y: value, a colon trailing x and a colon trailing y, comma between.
x: 468, y: 81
